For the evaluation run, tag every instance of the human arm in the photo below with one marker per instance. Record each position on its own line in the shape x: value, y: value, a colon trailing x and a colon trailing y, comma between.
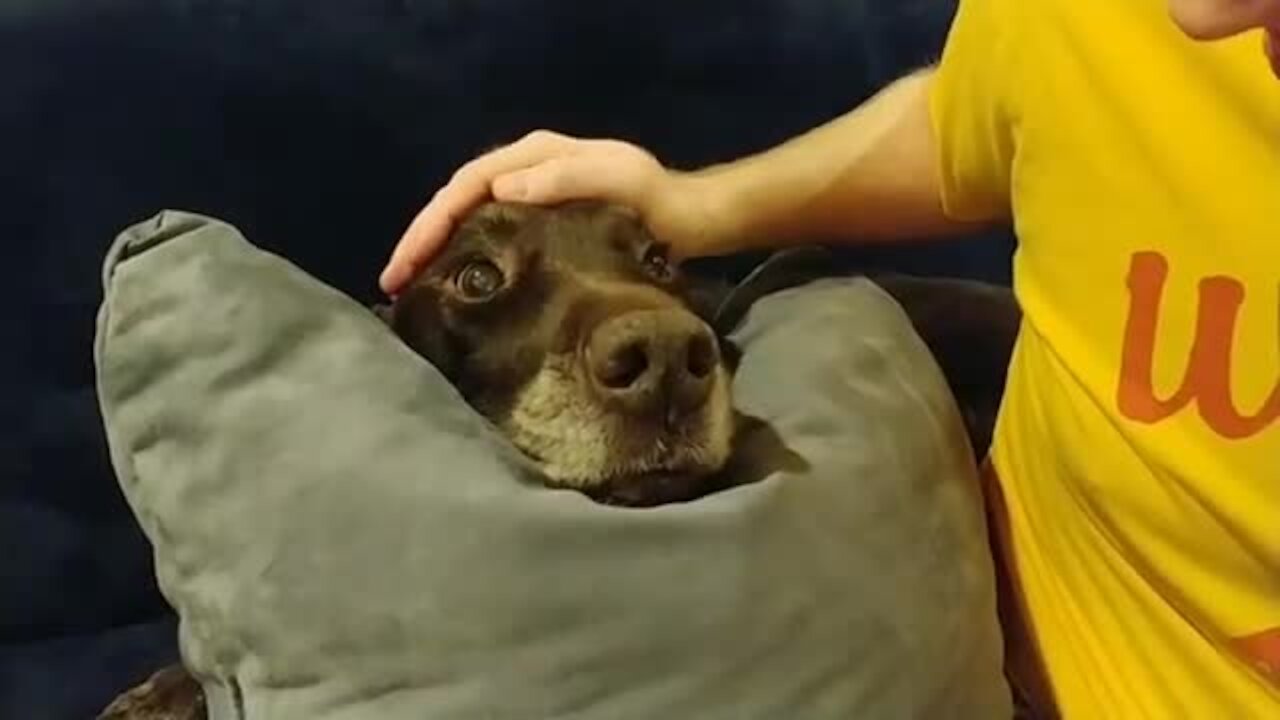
x: 876, y: 173
x: 871, y: 174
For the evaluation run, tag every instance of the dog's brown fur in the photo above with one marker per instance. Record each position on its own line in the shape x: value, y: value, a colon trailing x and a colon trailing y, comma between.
x: 170, y: 694
x: 580, y: 292
x: 557, y: 280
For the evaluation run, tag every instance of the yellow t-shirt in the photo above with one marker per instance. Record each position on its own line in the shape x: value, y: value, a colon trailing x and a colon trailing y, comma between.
x: 1139, y: 444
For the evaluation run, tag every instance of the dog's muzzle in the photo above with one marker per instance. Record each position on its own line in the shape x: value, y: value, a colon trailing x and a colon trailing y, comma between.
x: 656, y: 365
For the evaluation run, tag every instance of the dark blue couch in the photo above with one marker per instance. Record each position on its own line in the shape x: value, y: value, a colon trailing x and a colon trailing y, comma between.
x: 319, y: 126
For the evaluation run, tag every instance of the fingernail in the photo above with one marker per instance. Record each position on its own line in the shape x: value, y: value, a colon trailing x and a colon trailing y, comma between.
x: 510, y: 187
x: 388, y: 279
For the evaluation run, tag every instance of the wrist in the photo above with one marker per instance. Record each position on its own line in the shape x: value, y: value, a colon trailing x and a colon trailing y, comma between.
x: 710, y: 204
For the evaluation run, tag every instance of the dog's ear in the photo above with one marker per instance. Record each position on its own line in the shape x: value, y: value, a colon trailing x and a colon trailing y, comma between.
x: 782, y: 270
x: 723, y: 304
x: 704, y: 294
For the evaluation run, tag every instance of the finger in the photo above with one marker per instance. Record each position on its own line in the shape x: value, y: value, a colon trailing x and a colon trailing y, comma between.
x: 415, y: 248
x: 468, y: 187
x: 418, y: 244
x: 598, y: 176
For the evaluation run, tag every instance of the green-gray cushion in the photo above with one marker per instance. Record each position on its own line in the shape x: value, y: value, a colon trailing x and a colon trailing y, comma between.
x: 343, y: 538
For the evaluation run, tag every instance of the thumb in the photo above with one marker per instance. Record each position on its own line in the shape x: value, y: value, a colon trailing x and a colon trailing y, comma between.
x: 574, y: 177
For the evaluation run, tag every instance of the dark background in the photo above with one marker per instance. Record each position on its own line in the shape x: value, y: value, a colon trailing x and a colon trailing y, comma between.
x: 319, y: 127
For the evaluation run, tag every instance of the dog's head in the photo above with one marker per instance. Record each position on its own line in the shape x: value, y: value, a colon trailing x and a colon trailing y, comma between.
x: 571, y: 331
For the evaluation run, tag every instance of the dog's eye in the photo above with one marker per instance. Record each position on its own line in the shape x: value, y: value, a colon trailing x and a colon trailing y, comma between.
x: 479, y: 280
x: 655, y: 262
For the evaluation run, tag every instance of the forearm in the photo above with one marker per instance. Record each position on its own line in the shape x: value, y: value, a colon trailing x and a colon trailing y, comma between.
x: 869, y: 175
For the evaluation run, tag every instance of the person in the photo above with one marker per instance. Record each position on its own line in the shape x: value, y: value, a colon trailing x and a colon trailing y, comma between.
x: 1135, y: 147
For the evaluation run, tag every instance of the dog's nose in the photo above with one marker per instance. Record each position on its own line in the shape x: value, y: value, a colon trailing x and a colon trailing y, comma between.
x: 653, y: 361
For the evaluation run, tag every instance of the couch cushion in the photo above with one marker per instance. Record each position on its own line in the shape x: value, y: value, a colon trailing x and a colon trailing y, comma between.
x: 344, y: 538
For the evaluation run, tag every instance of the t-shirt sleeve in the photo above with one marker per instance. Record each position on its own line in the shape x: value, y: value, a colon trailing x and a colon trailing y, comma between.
x: 974, y: 111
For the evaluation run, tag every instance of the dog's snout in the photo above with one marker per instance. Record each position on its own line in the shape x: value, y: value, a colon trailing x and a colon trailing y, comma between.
x: 654, y: 361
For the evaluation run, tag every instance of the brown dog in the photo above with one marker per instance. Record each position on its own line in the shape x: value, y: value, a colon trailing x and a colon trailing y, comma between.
x: 568, y: 328
x: 571, y: 332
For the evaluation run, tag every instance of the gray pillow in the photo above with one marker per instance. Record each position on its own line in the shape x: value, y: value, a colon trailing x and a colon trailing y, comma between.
x: 342, y: 537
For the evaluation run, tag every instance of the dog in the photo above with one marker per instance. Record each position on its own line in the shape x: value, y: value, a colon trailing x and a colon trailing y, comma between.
x: 571, y: 330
